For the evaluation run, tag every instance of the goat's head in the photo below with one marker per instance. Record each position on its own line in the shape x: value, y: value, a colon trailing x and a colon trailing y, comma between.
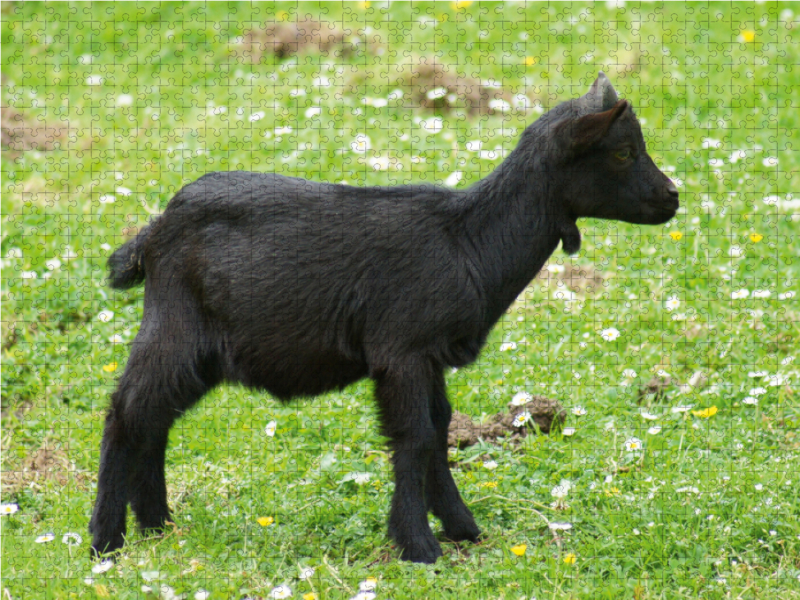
x: 607, y: 171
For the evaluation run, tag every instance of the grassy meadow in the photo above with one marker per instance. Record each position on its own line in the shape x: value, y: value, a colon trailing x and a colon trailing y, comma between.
x: 673, y: 348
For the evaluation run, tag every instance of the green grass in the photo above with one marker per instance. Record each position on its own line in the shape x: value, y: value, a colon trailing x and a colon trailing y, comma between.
x: 708, y: 509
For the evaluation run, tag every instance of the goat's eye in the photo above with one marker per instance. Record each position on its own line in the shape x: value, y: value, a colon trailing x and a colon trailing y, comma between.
x: 623, y: 154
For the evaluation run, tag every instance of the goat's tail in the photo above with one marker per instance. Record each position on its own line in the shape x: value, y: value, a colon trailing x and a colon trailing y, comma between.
x: 126, y: 265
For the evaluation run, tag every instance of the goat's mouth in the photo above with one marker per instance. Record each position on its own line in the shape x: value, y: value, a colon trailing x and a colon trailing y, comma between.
x: 662, y: 212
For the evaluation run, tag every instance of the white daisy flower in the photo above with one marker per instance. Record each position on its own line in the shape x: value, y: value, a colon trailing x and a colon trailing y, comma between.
x: 555, y: 526
x: 313, y: 111
x: 648, y: 416
x: 285, y: 130
x: 740, y: 294
x: 8, y: 509
x: 124, y: 100
x: 436, y: 93
x: 654, y: 430
x: 361, y: 144
x: 52, y: 264
x: 561, y: 490
x: 672, y: 303
x: 499, y: 105
x: 568, y: 431
x: 770, y: 161
x: 633, y: 444
x: 454, y: 178
x: 103, y: 566
x: 629, y: 374
x: 44, y: 539
x: 710, y: 143
x: 432, y: 125
x: 370, y: 584
x: 202, y: 595
x: 94, y: 80
x: 489, y: 464
x: 610, y: 334
x: 759, y: 391
x: 737, y: 155
x: 307, y: 573
x: 358, y: 478
x: 521, y: 419
x: 579, y: 411
x: 735, y: 251
x: 505, y: 346
x: 71, y: 539
x: 379, y: 163
x: 786, y: 295
x: 681, y: 409
x: 521, y: 398
x: 280, y: 592
x: 270, y: 428
x: 474, y: 146
x: 104, y: 316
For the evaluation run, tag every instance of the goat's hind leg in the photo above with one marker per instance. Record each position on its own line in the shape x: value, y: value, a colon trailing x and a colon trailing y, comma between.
x: 441, y: 493
x: 160, y: 382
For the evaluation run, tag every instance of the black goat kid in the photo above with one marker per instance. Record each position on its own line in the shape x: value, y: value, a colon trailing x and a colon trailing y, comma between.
x: 298, y: 288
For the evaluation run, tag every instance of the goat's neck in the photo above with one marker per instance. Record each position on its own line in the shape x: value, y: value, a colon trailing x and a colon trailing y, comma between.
x: 514, y: 226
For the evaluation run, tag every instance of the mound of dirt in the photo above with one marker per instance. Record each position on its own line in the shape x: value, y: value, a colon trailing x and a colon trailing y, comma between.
x: 19, y: 132
x: 39, y: 466
x: 544, y: 411
x: 581, y: 279
x: 286, y: 39
x: 435, y: 87
x: 657, y: 388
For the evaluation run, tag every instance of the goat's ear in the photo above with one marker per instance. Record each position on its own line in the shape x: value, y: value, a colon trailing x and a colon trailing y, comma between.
x: 602, y: 94
x: 579, y: 135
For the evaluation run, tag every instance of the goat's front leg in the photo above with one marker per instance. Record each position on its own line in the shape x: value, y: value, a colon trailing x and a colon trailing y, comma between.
x: 441, y: 493
x: 404, y: 393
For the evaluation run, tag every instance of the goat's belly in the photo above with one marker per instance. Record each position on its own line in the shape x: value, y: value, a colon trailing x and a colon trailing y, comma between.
x: 288, y: 375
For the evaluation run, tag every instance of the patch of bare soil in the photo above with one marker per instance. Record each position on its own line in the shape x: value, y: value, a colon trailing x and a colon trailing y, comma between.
x: 41, y: 465
x: 19, y: 132
x: 656, y: 388
x: 581, y: 279
x: 436, y: 87
x: 545, y: 412
x: 286, y: 39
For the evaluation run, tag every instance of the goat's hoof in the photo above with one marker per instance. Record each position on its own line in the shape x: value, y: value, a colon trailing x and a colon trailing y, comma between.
x: 425, y: 550
x: 466, y: 531
x: 105, y: 550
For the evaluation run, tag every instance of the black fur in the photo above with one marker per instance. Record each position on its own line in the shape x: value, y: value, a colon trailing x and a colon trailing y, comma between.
x: 298, y: 288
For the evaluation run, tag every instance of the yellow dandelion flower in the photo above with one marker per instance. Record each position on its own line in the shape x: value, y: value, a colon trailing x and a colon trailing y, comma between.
x: 530, y: 61
x: 110, y: 367
x: 264, y: 521
x: 283, y: 15
x: 520, y: 549
x: 460, y: 4
x: 612, y: 491
x: 310, y: 596
x: 706, y: 412
x: 675, y: 235
x: 364, y: 4
x: 748, y: 35
x: 488, y: 484
x: 756, y: 237
x: 570, y: 559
